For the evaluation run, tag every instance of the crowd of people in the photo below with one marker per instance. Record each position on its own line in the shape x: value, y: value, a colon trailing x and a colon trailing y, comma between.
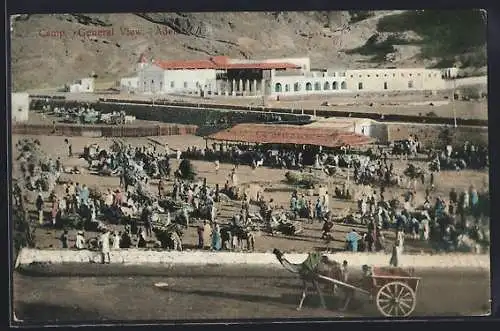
x: 444, y: 223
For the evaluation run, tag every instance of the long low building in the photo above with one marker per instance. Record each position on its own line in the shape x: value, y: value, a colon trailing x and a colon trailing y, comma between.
x: 290, y: 135
x: 221, y: 75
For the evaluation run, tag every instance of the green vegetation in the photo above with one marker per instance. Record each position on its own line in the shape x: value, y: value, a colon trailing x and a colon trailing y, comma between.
x: 378, y: 50
x: 447, y: 35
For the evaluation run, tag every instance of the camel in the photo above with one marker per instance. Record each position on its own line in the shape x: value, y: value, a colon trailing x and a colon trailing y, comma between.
x: 309, y: 269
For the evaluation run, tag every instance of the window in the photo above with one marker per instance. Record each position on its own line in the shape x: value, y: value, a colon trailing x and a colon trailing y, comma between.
x: 296, y: 87
x: 376, y: 75
x: 368, y: 76
x: 287, y: 87
x: 317, y: 86
x: 277, y: 88
x: 402, y: 75
x: 308, y: 86
x: 410, y: 84
x: 334, y: 86
x: 359, y: 76
x: 326, y: 86
x: 385, y: 75
x: 418, y: 74
x: 333, y: 74
x: 152, y: 81
x: 352, y: 76
x: 19, y: 109
x: 161, y: 85
x: 343, y: 86
x: 429, y: 75
x: 393, y: 75
x: 172, y: 84
x: 385, y: 85
x: 185, y: 84
x: 360, y: 86
x: 410, y: 75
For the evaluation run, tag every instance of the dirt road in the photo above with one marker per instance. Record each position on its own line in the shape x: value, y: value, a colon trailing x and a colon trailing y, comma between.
x: 111, y: 293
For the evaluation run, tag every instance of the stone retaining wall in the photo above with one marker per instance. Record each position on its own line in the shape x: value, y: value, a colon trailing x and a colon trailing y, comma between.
x: 87, y: 130
x: 431, y: 135
x: 141, y: 257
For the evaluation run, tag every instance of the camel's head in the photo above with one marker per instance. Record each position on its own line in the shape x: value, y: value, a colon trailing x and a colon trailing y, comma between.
x: 278, y: 253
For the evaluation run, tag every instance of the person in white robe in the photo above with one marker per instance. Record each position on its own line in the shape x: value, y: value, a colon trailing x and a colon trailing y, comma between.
x: 105, y: 249
x: 116, y: 240
x: 80, y: 240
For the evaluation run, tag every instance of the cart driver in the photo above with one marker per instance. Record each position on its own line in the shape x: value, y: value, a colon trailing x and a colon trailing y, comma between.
x: 349, y: 293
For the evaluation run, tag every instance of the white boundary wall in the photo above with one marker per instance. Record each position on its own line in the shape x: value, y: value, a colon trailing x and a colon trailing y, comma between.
x: 142, y: 257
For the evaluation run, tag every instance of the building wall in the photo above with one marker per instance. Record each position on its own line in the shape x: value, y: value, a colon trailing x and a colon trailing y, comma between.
x: 88, y: 85
x: 20, y: 107
x: 151, y: 79
x: 189, y: 80
x: 380, y: 80
x: 129, y: 84
x: 309, y: 83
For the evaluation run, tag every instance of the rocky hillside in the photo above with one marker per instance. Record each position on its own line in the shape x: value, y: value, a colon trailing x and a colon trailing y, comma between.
x: 51, y: 50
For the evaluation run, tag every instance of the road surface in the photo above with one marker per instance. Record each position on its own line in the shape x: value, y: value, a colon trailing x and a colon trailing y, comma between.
x: 83, y: 293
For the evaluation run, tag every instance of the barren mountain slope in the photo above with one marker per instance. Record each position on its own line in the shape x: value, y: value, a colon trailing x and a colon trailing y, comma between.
x: 40, y: 61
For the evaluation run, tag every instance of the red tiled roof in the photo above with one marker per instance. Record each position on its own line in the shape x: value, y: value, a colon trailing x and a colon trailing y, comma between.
x: 290, y: 134
x: 221, y: 62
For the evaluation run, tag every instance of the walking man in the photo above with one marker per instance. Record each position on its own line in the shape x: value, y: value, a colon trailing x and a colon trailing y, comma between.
x: 105, y: 249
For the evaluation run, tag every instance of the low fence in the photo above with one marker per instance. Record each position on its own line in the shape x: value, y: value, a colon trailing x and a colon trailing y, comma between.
x: 104, y: 130
x: 199, y: 258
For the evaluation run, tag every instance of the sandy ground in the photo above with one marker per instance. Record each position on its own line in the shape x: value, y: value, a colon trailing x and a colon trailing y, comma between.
x: 270, y: 179
x: 197, y: 294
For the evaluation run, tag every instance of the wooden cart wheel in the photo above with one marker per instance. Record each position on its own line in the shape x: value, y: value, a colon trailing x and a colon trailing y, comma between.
x: 396, y: 299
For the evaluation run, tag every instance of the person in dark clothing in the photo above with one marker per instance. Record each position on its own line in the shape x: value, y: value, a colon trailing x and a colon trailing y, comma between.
x: 64, y: 239
x: 453, y: 196
x: 39, y: 208
x: 201, y: 230
x: 327, y: 229
x: 142, y: 242
x: 125, y: 241
x: 217, y: 191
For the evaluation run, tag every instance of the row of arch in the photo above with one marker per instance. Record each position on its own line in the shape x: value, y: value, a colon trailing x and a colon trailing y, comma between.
x: 278, y: 87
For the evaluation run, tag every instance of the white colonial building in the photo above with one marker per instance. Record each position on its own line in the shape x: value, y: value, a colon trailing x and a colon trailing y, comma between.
x: 380, y: 80
x: 221, y: 75
x: 20, y: 107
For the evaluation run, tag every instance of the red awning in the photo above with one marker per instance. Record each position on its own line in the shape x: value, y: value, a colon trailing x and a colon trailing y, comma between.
x: 291, y: 135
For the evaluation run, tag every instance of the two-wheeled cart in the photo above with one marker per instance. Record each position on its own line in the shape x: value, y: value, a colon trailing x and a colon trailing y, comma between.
x: 392, y: 289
